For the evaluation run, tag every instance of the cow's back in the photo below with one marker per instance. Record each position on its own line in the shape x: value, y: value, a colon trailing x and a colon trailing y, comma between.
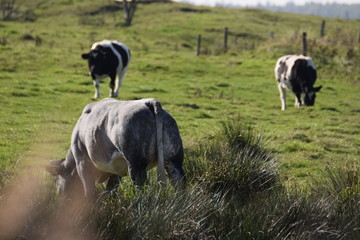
x: 119, y: 49
x: 111, y: 128
x: 290, y: 67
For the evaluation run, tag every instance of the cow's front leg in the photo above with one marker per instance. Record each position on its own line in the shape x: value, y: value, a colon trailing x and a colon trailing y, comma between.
x: 282, y: 92
x: 87, y: 176
x: 97, y: 86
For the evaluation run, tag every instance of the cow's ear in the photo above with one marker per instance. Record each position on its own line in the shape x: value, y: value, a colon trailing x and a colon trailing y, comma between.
x: 56, y: 168
x: 317, y: 89
x: 53, y: 170
x: 85, y: 55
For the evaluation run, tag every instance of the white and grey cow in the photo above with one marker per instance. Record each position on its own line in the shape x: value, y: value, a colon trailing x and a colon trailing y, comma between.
x: 108, y: 59
x: 115, y: 138
x: 297, y: 73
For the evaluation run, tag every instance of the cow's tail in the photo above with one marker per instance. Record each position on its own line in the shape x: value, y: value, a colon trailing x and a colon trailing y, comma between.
x: 159, y: 116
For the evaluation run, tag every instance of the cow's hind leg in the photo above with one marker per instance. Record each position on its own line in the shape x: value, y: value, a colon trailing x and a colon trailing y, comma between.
x: 118, y: 81
x: 85, y: 170
x: 112, y: 85
x: 87, y: 176
x: 282, y: 92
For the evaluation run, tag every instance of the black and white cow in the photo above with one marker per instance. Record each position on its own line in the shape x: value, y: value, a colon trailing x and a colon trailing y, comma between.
x: 298, y: 74
x: 115, y: 138
x: 108, y: 59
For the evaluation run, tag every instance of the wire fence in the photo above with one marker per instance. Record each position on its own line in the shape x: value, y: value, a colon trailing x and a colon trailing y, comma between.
x: 294, y: 44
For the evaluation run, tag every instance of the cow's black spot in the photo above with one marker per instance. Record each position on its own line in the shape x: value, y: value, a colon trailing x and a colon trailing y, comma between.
x: 298, y: 76
x: 103, y: 61
x: 123, y: 54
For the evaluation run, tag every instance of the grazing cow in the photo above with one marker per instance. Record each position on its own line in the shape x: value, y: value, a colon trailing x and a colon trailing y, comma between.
x: 108, y: 59
x: 113, y: 138
x: 298, y: 74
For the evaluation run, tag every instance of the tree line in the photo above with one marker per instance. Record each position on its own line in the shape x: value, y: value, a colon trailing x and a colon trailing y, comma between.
x: 335, y: 10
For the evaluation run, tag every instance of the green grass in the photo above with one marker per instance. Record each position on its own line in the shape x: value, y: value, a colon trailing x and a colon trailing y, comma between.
x: 233, y: 192
x: 45, y: 86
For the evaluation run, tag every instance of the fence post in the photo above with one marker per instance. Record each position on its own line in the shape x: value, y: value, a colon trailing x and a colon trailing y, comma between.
x: 322, y: 28
x: 225, y: 39
x: 198, y: 45
x: 304, y: 52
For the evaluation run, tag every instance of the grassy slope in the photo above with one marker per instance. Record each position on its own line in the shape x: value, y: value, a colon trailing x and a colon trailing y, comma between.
x: 44, y: 88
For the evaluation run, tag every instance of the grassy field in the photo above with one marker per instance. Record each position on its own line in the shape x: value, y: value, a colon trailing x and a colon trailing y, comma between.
x: 45, y: 83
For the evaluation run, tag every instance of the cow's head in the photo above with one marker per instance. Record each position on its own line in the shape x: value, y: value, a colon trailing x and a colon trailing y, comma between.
x: 65, y: 177
x: 96, y: 58
x: 310, y: 95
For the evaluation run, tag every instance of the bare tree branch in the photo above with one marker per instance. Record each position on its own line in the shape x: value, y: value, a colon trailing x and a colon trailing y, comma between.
x: 9, y: 8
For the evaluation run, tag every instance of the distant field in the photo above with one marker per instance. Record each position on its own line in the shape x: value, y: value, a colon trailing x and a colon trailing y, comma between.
x: 45, y: 83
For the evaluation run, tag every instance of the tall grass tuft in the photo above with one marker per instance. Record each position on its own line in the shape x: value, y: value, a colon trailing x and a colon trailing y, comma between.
x: 330, y: 211
x: 341, y: 188
x: 158, y: 214
x: 235, y: 161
